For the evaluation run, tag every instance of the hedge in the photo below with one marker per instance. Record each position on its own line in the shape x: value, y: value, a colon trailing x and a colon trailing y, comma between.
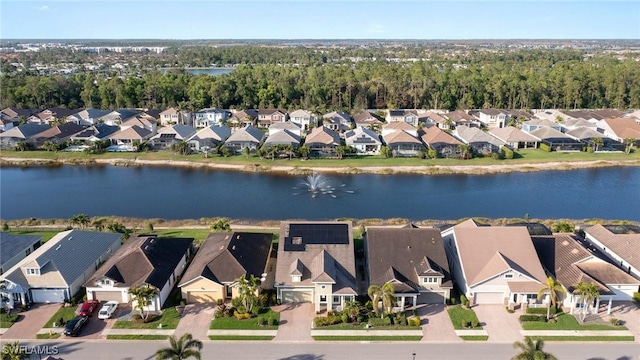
x: 543, y: 311
x: 379, y: 322
x: 535, y: 318
x: 508, y: 153
x: 545, y: 147
x: 327, y: 320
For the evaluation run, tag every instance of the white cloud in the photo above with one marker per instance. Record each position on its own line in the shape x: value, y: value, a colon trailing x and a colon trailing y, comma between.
x: 376, y: 29
x: 41, y: 8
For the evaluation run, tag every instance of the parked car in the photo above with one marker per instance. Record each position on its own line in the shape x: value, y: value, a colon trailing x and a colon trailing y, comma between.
x: 74, y: 326
x: 107, y: 310
x: 88, y: 307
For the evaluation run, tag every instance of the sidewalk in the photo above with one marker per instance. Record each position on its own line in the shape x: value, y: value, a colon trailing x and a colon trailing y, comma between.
x: 611, y: 333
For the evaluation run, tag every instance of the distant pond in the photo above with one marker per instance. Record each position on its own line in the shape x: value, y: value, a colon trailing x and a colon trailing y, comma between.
x: 171, y: 193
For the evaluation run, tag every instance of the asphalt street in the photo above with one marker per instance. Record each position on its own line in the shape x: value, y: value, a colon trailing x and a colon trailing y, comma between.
x: 130, y: 350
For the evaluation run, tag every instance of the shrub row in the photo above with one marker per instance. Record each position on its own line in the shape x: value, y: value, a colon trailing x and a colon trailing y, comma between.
x: 262, y: 321
x: 327, y: 320
x: 543, y: 311
x: 385, y: 321
x: 241, y: 316
x: 534, y: 318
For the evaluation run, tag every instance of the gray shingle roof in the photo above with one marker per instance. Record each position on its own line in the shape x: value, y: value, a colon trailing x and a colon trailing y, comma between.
x: 13, y: 244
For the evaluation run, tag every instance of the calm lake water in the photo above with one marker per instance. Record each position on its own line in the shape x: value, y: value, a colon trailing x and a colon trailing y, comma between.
x: 153, y: 192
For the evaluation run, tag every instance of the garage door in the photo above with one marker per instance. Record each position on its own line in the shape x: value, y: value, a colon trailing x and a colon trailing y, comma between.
x: 108, y: 295
x: 296, y: 296
x: 47, y: 295
x: 430, y: 298
x: 489, y: 298
x: 199, y: 297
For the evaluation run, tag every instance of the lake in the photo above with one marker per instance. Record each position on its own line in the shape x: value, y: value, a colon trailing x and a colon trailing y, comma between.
x: 172, y: 193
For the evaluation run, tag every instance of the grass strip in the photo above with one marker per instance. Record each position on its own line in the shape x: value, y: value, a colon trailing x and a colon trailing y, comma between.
x: 475, y: 337
x: 137, y: 337
x: 66, y: 313
x: 583, y: 338
x: 241, y: 337
x: 48, y: 336
x: 367, y: 338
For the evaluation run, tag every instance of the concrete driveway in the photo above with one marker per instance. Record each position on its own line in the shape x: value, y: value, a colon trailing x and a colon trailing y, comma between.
x: 196, y: 319
x: 436, y: 324
x: 628, y: 312
x: 295, y: 322
x: 30, y: 322
x: 501, y: 326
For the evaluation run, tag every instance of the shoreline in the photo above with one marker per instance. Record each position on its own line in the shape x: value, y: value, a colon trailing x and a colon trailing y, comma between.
x: 300, y: 170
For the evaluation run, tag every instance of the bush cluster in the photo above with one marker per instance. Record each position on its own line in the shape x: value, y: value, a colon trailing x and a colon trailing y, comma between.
x: 534, y: 318
x: 385, y: 321
x: 327, y: 320
x: 543, y: 311
x: 508, y: 153
x: 615, y: 322
x: 636, y: 298
x: 241, y: 316
x: 545, y: 147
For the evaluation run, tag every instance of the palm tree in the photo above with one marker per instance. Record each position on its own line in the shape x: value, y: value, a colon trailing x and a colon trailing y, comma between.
x: 247, y: 289
x: 531, y: 350
x: 554, y: 289
x: 384, y: 293
x: 465, y: 151
x: 182, y: 148
x: 587, y: 292
x: 183, y: 348
x: 352, y: 308
x: 303, y: 151
x: 80, y: 219
x: 597, y: 141
x: 143, y: 295
x: 629, y: 142
x: 13, y: 351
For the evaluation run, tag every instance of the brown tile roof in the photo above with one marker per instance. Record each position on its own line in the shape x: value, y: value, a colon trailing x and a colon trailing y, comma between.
x: 610, y: 113
x: 626, y: 246
x: 624, y: 127
x: 132, y: 133
x: 404, y: 254
x: 401, y: 136
x: 568, y: 261
x: 323, y: 135
x: 367, y: 117
x: 224, y: 257
x: 512, y: 134
x: 489, y: 251
x: 399, y: 125
x: 435, y: 135
x: 459, y: 115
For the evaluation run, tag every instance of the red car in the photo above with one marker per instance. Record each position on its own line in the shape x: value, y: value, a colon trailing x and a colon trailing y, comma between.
x: 87, y: 308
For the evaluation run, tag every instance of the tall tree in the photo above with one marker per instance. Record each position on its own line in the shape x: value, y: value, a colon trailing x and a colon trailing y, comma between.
x: 183, y: 348
x: 554, y: 289
x: 531, y: 350
x: 384, y: 293
x: 247, y: 293
x: 143, y: 296
x: 81, y: 220
x: 588, y: 292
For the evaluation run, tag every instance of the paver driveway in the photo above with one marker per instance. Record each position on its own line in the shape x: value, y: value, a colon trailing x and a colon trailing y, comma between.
x: 295, y: 322
x: 196, y: 319
x: 500, y: 325
x: 436, y: 325
x: 628, y: 312
x: 31, y: 322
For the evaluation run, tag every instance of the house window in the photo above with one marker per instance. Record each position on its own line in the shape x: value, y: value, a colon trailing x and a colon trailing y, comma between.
x: 229, y: 291
x: 323, y: 298
x: 429, y: 280
x: 296, y: 278
x: 33, y: 271
x: 336, y: 299
x: 28, y: 252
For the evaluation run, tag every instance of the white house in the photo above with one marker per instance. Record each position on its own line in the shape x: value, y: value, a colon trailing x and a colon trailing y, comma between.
x: 364, y: 140
x: 304, y: 118
x: 619, y: 243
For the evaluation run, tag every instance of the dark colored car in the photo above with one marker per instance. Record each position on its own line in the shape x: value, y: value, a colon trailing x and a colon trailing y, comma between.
x: 74, y: 326
x: 88, y: 307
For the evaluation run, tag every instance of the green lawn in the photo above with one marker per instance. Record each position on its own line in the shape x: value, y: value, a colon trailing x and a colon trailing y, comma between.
x: 457, y: 314
x: 367, y: 338
x: 169, y: 320
x: 475, y: 337
x: 67, y: 313
x: 584, y: 338
x: 247, y: 324
x: 48, y: 336
x: 240, y: 337
x: 568, y: 322
x: 198, y: 234
x: 7, y: 320
x: 137, y: 337
x: 362, y: 326
x: 46, y: 235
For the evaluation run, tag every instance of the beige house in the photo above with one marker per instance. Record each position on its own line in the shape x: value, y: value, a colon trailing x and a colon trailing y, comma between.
x: 316, y: 264
x: 620, y: 243
x: 494, y: 265
x: 221, y: 260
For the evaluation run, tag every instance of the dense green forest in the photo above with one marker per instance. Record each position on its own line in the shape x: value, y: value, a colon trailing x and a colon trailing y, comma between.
x: 322, y: 81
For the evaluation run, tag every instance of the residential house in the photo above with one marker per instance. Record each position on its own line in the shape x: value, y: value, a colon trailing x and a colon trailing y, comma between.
x: 304, y: 118
x: 87, y: 117
x: 458, y: 118
x: 57, y: 134
x: 316, y: 264
x: 94, y: 133
x: 609, y: 113
x: 494, y: 265
x: 287, y: 125
x: 535, y: 124
x: 15, y: 248
x: 399, y: 126
x: 322, y: 141
x: 282, y: 137
x: 481, y: 143
x: 432, y: 118
x: 142, y: 120
x: 403, y: 143
x: 221, y: 260
x: 337, y: 121
x: 56, y: 271
x: 23, y: 133
x: 620, y: 243
x: 172, y: 116
x: 566, y: 259
x: 411, y: 259
x: 17, y: 115
x: 408, y: 116
x: 209, y: 137
x: 210, y: 116
x: 154, y: 113
x: 267, y: 117
x: 572, y: 124
x: 368, y: 119
x: 364, y: 140
x: 116, y: 117
x: 142, y: 260
x: 587, y: 135
x: 243, y: 118
x: 5, y: 124
x: 583, y: 114
x: 248, y: 137
x: 444, y: 143
x: 518, y: 115
x: 493, y: 118
x: 620, y: 129
x: 169, y: 135
x: 125, y: 140
x: 51, y: 115
x: 635, y: 115
x: 552, y: 115
x: 515, y: 138
x: 556, y: 140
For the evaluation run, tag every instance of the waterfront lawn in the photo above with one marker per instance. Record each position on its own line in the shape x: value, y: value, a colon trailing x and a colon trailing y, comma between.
x: 198, y: 234
x: 137, y: 337
x: 567, y: 322
x: 247, y: 324
x: 241, y: 337
x: 168, y: 319
x: 367, y: 338
x: 7, y: 320
x: 66, y: 313
x: 457, y: 314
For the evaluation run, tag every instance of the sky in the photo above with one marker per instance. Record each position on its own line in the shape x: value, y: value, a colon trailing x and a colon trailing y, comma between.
x: 306, y: 19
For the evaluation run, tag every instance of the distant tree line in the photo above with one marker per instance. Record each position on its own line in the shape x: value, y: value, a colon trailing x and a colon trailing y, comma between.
x: 510, y: 80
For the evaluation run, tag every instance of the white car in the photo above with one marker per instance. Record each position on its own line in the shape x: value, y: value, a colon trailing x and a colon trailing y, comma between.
x: 107, y: 310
